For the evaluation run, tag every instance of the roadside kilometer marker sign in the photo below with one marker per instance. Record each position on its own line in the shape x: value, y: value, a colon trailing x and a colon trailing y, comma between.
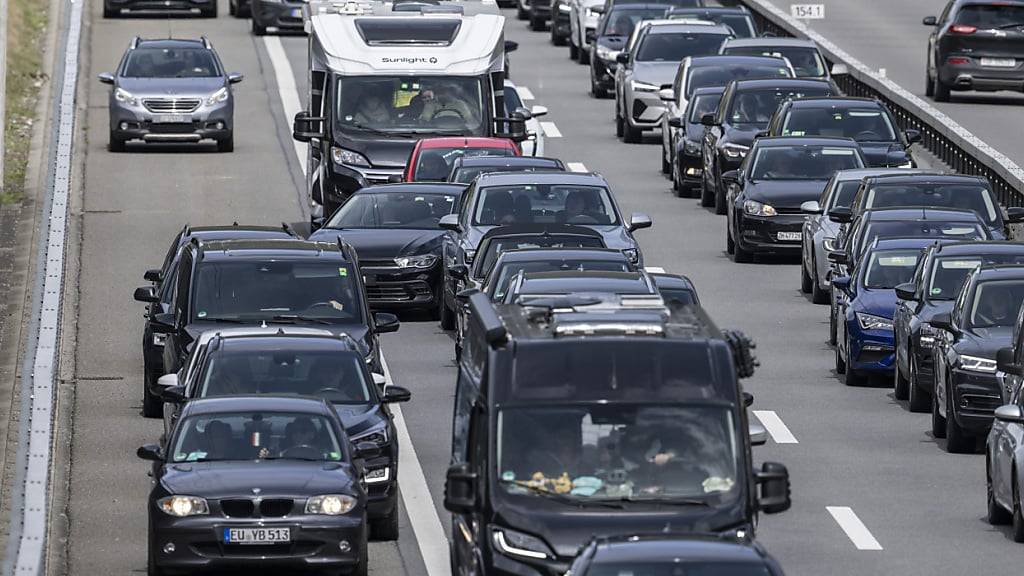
x: 807, y: 11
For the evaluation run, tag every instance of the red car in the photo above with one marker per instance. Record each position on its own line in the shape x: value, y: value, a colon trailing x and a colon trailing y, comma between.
x: 431, y: 159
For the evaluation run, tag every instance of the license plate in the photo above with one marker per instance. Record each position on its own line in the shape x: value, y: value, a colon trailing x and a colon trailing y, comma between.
x: 257, y: 535
x: 172, y: 119
x: 999, y: 62
x: 788, y: 236
x: 297, y: 13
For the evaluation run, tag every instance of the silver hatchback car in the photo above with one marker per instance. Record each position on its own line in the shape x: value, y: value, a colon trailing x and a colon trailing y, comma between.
x: 171, y: 90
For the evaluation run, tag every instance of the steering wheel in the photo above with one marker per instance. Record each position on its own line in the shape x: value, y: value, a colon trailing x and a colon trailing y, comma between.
x: 447, y: 112
x: 302, y: 451
x: 328, y: 390
x: 867, y: 135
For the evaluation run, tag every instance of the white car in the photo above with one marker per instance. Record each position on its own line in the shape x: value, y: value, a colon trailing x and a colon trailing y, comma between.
x: 534, y: 145
x: 583, y: 18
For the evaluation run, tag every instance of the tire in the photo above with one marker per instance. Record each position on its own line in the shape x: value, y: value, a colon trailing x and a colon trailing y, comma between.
x: 678, y: 188
x: 536, y: 24
x: 556, y: 38
x: 855, y: 378
x: 840, y: 363
x: 152, y: 406
x: 666, y: 166
x: 730, y: 246
x: 917, y: 399
x: 385, y: 529
x: 1018, y: 517
x: 574, y: 52
x: 833, y: 326
x: 363, y: 568
x: 631, y: 135
x: 720, y: 205
x: 619, y: 129
x: 584, y: 56
x: 597, y: 92
x: 958, y: 441
x: 447, y: 317
x: 115, y: 144
x: 257, y: 28
x: 806, y: 282
x: 997, y: 515
x: 818, y: 296
x: 741, y: 256
x: 521, y: 14
x: 938, y: 422
x: 227, y: 144
x: 901, y: 383
x: 707, y: 199
x: 940, y: 92
x: 929, y: 88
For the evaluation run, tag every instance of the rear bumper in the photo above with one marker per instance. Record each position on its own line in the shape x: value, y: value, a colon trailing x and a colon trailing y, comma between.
x: 158, y: 5
x: 974, y: 76
x: 284, y: 16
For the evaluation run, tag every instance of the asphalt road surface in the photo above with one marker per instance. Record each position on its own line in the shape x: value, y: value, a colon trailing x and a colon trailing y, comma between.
x: 873, y: 493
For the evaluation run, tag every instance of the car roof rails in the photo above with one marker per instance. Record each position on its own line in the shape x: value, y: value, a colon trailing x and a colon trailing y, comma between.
x: 134, y: 43
x: 206, y: 42
x: 288, y: 228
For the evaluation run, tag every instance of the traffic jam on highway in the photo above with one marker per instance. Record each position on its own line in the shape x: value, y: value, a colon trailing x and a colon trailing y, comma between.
x: 599, y: 420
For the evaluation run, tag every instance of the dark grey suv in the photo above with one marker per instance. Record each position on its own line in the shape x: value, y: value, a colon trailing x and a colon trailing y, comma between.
x: 171, y: 90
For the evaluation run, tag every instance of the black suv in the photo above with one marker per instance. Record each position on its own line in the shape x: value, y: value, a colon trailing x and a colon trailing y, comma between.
x: 975, y: 45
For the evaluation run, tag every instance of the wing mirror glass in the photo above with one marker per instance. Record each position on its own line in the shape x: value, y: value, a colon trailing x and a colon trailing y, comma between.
x: 396, y: 394
x: 385, y: 322
x: 1010, y: 413
x: 146, y: 294
x: 906, y: 291
x: 450, y: 222
x: 774, y: 481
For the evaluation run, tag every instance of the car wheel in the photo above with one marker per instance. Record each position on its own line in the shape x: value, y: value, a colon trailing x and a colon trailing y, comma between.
x: 707, y: 198
x: 574, y: 52
x: 116, y: 143
x: 730, y: 246
x: 666, y: 166
x: 806, y: 282
x: 940, y: 92
x: 597, y: 92
x: 619, y: 128
x: 631, y: 135
x: 556, y: 38
x: 536, y: 24
x: 938, y: 422
x: 152, y: 406
x: 678, y: 188
x: 720, y: 206
x: 901, y: 384
x: 853, y: 377
x: 584, y: 57
x: 227, y: 144
x: 257, y: 28
x: 521, y: 13
x: 447, y: 317
x: 918, y: 399
x: 929, y: 88
x: 818, y: 296
x: 833, y: 327
x: 997, y: 515
x: 1018, y: 517
x: 363, y: 568
x: 741, y: 256
x: 386, y: 528
x: 840, y: 363
x: 957, y: 440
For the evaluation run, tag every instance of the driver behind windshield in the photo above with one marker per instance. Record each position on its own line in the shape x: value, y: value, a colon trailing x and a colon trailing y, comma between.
x: 444, y: 101
x: 373, y: 109
x: 300, y: 441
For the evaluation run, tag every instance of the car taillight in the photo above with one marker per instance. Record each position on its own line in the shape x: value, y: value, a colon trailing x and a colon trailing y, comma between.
x: 958, y: 60
x: 963, y: 29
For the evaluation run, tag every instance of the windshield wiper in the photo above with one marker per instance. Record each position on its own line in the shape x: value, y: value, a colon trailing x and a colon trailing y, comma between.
x: 221, y: 319
x: 667, y: 501
x: 578, y: 502
x: 1013, y: 25
x: 379, y: 132
x: 294, y: 318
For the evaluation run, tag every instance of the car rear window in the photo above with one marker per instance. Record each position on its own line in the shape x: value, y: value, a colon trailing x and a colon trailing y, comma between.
x: 675, y: 47
x: 806, y: 61
x: 991, y: 16
x: 622, y: 21
x: 803, y: 162
x: 435, y: 164
x: 890, y: 268
x: 929, y: 195
x: 171, y: 63
x: 708, y: 76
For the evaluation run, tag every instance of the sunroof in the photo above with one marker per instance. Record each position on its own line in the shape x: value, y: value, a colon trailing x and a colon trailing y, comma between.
x: 438, y: 31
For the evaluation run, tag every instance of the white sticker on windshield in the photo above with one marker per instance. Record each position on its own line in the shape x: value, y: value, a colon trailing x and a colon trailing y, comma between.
x: 897, y: 260
x: 959, y: 264
x: 836, y: 152
x: 958, y: 231
x: 717, y: 484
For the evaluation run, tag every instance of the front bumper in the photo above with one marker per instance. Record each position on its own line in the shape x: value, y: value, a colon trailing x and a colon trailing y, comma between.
x: 870, y: 350
x: 159, y: 5
x: 689, y: 167
x: 974, y: 76
x: 136, y: 122
x: 382, y: 497
x: 602, y: 72
x: 198, y: 543
x: 761, y: 234
x: 394, y: 287
x: 975, y: 398
x: 281, y: 15
x: 925, y: 367
x: 646, y: 109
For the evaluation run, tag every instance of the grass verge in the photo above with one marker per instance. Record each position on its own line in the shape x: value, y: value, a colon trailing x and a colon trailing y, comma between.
x: 26, y: 30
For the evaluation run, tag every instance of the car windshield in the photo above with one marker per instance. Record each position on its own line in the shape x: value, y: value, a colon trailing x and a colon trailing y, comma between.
x: 991, y: 16
x: 843, y: 194
x: 410, y: 104
x: 410, y: 210
x: 618, y: 451
x: 949, y: 273
x: 466, y: 175
x: 710, y: 76
x: 701, y: 105
x: 802, y: 162
x: 622, y: 21
x: 978, y: 199
x: 678, y: 567
x: 256, y: 435
x: 544, y: 204
x: 495, y: 247
x: 863, y: 125
x: 171, y: 63
x: 673, y: 47
x: 503, y: 274
x: 922, y: 229
x: 889, y: 268
x: 995, y: 303
x: 806, y: 62
x: 758, y: 106
x: 435, y: 164
x: 254, y: 290
x: 335, y: 375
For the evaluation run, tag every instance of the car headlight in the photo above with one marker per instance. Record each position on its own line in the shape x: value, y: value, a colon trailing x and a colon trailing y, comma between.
x: 633, y: 254
x: 469, y: 255
x: 514, y: 543
x: 377, y: 475
x: 735, y: 151
x: 755, y: 208
x: 342, y: 156
x: 565, y: 8
x: 125, y: 97
x: 607, y: 54
x: 378, y: 436
x: 182, y: 506
x: 217, y: 97
x: 643, y: 87
x: 422, y: 261
x: 159, y: 339
x: 927, y: 336
x: 829, y: 244
x: 872, y: 322
x: 330, y: 504
x: 977, y: 364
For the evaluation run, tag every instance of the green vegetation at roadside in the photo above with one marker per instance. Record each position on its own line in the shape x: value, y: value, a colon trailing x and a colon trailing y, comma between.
x: 26, y: 31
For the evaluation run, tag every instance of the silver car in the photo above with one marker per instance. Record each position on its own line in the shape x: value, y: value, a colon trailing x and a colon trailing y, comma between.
x: 1004, y: 451
x: 583, y: 18
x: 171, y: 90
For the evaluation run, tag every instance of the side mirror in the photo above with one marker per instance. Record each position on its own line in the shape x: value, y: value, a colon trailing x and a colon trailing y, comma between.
x: 942, y: 321
x: 522, y: 112
x: 676, y: 122
x: 841, y: 283
x: 758, y: 434
x: 1010, y: 413
x: 396, y: 394
x: 762, y: 134
x: 840, y: 215
x: 235, y: 77
x: 810, y: 207
x: 774, y: 481
x: 395, y: 179
x: 458, y: 271
x: 538, y: 111
x: 667, y: 94
x: 162, y: 323
x: 639, y: 221
x: 306, y: 127
x: 511, y: 45
x: 731, y: 177
x: 367, y: 451
x: 460, y: 488
x: 839, y: 69
x: 906, y: 291
x: 379, y: 379
x: 1015, y: 214
x: 930, y: 21
x: 384, y: 322
x: 450, y: 222
x: 150, y: 452
x: 173, y: 394
x: 897, y: 158
x: 708, y: 119
x: 106, y: 78
x: 146, y: 294
x: 154, y: 275
x: 167, y: 381
x: 622, y: 58
x: 1005, y: 363
x: 465, y: 293
x: 748, y: 399
x: 912, y: 135
x: 838, y: 258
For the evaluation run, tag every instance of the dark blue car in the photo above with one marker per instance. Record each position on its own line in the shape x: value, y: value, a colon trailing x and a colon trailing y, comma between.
x: 865, y: 343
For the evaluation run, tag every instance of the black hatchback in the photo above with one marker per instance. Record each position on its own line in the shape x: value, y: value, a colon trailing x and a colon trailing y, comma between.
x: 666, y: 554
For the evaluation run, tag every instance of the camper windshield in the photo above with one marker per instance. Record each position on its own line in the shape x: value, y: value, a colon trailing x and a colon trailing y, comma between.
x: 404, y: 105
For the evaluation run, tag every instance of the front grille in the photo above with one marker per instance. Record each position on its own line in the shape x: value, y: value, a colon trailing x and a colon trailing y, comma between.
x: 216, y: 550
x: 874, y: 356
x: 237, y: 508
x: 276, y: 507
x: 364, y: 263
x: 171, y: 105
x: 171, y: 128
x: 402, y: 292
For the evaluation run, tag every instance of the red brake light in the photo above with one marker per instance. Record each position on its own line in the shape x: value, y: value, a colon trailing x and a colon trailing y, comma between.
x: 963, y: 29
x: 958, y: 60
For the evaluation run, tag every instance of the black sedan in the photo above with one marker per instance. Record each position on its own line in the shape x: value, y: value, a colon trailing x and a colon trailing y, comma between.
x: 765, y: 195
x: 265, y: 482
x: 932, y: 291
x: 668, y: 554
x: 307, y: 362
x: 677, y: 290
x: 394, y: 230
x: 967, y: 390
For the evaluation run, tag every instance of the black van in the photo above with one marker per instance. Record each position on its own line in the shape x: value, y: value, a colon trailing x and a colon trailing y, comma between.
x: 580, y: 416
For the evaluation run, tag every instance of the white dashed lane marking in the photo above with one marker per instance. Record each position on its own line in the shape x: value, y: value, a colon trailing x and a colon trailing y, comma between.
x: 576, y: 167
x: 855, y: 530
x: 654, y: 269
x: 550, y: 130
x: 524, y: 93
x: 775, y: 426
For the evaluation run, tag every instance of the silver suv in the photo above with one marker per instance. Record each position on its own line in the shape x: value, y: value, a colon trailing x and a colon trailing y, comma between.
x: 171, y: 91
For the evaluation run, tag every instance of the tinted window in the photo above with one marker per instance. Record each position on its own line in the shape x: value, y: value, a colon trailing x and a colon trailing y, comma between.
x: 863, y: 125
x: 975, y: 198
x: 948, y: 276
x: 709, y: 76
x: 807, y: 63
x: 995, y: 303
x: 701, y: 105
x: 621, y: 22
x: 410, y: 104
x: 393, y: 210
x: 844, y: 194
x: 506, y: 273
x: 758, y: 106
x: 408, y: 30
x: 434, y: 164
x: 991, y: 16
x: 496, y: 246
x: 678, y: 297
x: 248, y: 435
x: 802, y: 163
x: 512, y: 100
x: 466, y: 175
x: 889, y: 268
x: 171, y: 63
x: 544, y: 203
x: 675, y: 47
x: 679, y: 569
x: 923, y: 229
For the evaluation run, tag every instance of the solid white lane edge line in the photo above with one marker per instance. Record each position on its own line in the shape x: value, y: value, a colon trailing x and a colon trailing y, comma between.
x: 524, y: 93
x: 775, y: 426
x: 550, y: 130
x: 287, y: 89
x: 426, y: 524
x: 855, y: 530
x: 654, y: 269
x: 576, y: 167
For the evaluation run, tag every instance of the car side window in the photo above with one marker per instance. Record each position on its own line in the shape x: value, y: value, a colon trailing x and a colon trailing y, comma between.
x: 182, y: 292
x: 724, y: 103
x: 944, y: 17
x: 468, y: 197
x: 826, y: 193
x: 958, y: 307
x: 460, y: 423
